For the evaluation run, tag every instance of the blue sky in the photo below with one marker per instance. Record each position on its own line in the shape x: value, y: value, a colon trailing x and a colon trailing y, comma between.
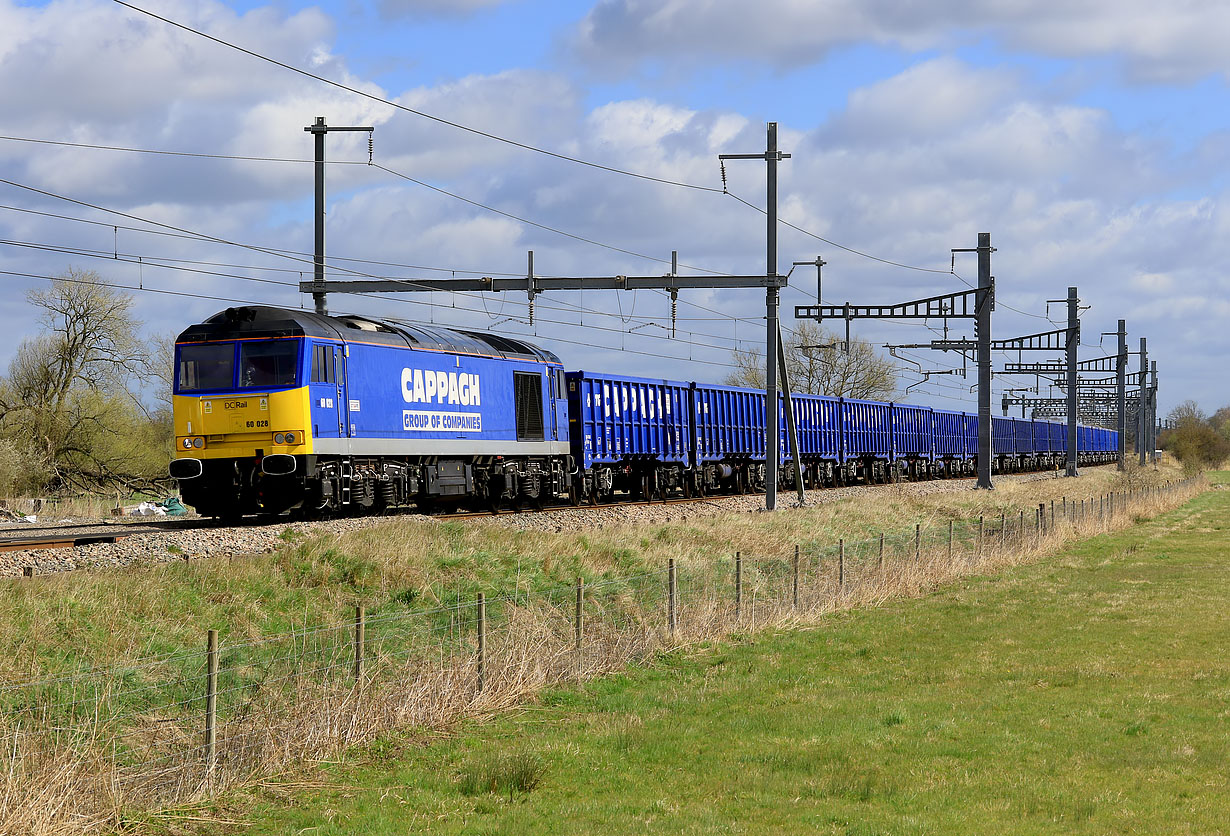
x: 1090, y: 139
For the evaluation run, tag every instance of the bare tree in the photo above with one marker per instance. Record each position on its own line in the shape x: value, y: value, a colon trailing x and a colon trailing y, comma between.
x: 73, y: 393
x: 818, y: 365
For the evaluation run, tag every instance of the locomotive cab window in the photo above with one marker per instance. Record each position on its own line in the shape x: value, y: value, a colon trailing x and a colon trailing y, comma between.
x: 205, y: 367
x: 322, y: 364
x: 527, y: 394
x: 264, y: 365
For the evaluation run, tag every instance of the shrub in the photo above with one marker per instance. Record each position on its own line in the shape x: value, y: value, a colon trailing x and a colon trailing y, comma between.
x: 22, y: 470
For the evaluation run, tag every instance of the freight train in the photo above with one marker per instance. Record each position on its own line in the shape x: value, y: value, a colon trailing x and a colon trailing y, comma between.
x: 278, y: 410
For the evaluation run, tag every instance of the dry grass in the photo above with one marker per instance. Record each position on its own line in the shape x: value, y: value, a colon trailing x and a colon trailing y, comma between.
x: 72, y: 507
x: 290, y: 699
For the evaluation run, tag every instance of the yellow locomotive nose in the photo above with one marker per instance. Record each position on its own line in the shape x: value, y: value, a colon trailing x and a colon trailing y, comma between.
x: 238, y: 426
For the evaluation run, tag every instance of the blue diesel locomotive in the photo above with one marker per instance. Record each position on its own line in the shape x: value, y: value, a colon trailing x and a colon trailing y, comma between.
x: 279, y: 410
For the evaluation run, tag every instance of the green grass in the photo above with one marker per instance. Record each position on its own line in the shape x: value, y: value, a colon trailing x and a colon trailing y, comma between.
x: 1087, y: 693
x: 55, y: 626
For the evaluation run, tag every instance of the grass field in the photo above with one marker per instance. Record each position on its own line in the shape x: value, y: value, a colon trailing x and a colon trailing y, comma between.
x: 54, y: 624
x: 1086, y: 693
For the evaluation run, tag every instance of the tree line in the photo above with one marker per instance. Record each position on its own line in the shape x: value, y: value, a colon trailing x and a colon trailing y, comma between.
x: 85, y: 405
x: 1197, y: 440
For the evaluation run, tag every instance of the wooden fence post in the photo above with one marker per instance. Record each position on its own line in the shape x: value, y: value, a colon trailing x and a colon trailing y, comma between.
x: 738, y: 587
x: 1052, y: 513
x: 670, y: 595
x: 360, y: 638
x: 795, y: 581
x: 881, y: 552
x: 841, y: 566
x: 580, y: 622
x: 211, y: 700
x: 980, y: 532
x: 482, y: 641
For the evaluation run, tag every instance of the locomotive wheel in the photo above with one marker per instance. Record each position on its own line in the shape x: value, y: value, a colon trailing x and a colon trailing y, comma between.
x: 493, y: 501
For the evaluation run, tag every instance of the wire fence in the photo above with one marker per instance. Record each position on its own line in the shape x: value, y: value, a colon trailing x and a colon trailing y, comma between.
x: 179, y: 727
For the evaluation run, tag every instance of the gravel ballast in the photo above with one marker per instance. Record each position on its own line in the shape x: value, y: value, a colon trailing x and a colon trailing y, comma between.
x: 152, y: 547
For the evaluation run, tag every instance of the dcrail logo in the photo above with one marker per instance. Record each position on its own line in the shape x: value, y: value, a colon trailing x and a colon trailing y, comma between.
x: 426, y: 386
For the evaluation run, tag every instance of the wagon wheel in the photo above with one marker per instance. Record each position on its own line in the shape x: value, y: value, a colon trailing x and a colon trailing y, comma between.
x: 593, y: 495
x: 574, y: 494
x: 687, y: 487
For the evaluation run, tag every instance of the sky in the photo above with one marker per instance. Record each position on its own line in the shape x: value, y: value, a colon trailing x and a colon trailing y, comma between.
x: 1090, y: 138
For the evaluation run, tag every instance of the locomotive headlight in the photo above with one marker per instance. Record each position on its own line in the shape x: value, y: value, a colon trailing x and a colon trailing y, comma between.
x: 187, y: 443
x: 198, y: 443
x: 290, y: 438
x: 279, y: 438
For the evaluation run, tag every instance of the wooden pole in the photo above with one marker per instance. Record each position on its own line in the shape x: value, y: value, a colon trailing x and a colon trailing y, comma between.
x: 881, y: 552
x: 841, y: 566
x: 211, y: 700
x: 980, y: 534
x: 360, y: 637
x: 795, y: 581
x: 738, y: 587
x: 482, y: 641
x: 917, y: 540
x: 670, y: 595
x: 580, y: 622
x: 950, y: 541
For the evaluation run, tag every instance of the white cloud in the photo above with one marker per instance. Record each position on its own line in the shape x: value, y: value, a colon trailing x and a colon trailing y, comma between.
x: 912, y: 166
x: 1155, y: 41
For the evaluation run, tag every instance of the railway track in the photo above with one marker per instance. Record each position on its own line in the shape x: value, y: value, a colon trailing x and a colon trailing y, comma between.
x: 83, y: 534
x: 678, y: 500
x: 546, y: 509
x: 58, y: 541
